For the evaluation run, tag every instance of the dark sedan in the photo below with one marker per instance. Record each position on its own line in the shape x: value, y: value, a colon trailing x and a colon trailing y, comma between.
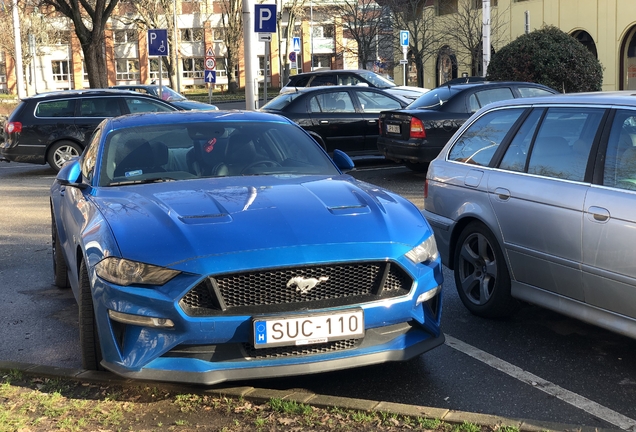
x: 338, y: 117
x: 417, y: 134
x: 167, y: 94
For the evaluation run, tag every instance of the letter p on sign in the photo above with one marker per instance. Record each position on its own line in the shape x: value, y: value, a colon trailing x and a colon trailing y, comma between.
x: 265, y: 21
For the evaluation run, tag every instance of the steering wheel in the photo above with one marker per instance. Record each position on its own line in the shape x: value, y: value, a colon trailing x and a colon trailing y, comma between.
x: 266, y: 163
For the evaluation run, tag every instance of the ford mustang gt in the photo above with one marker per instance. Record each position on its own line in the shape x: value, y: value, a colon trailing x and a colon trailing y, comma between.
x: 211, y: 246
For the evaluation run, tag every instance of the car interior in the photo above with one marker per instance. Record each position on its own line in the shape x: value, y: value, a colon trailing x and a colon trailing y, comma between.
x: 198, y: 150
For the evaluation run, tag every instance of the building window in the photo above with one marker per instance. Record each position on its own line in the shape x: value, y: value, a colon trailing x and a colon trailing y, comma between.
x: 127, y: 69
x: 153, y: 65
x: 62, y: 37
x: 3, y: 69
x: 322, y: 61
x: 445, y: 7
x: 85, y: 71
x: 261, y: 67
x: 193, y: 67
x: 220, y: 67
x: 218, y: 34
x: 479, y: 4
x: 191, y: 35
x: 60, y: 70
x: 126, y: 36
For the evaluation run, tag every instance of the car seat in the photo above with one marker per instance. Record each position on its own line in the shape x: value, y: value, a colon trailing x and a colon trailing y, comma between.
x: 209, y: 150
x: 139, y: 159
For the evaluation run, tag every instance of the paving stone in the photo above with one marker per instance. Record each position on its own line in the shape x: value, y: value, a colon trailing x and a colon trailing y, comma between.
x: 323, y: 401
x: 412, y: 410
x: 492, y: 421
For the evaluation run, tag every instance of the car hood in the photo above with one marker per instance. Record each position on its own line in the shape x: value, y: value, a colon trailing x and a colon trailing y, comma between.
x: 239, y: 222
x: 193, y: 105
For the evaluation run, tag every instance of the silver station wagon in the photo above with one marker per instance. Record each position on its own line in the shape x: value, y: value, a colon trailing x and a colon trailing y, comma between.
x: 535, y: 200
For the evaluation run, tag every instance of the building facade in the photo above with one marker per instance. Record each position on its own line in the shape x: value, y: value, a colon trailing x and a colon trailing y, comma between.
x: 606, y: 27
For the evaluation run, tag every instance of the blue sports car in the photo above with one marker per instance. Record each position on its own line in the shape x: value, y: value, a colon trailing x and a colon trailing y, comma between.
x: 211, y: 246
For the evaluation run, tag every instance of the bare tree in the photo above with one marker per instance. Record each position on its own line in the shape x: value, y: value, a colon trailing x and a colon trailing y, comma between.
x: 36, y: 30
x: 362, y: 22
x: 232, y: 23
x: 418, y: 17
x: 294, y: 10
x: 462, y: 26
x: 89, y: 19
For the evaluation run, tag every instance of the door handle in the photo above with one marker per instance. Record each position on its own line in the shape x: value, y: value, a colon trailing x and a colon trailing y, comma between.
x: 324, y: 121
x: 502, y: 194
x: 599, y: 214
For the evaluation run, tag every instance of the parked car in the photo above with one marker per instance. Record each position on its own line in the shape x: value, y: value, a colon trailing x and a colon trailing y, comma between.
x: 215, y: 246
x: 344, y: 118
x: 533, y: 200
x: 416, y: 135
x: 55, y: 127
x: 463, y: 80
x: 351, y: 77
x: 167, y: 94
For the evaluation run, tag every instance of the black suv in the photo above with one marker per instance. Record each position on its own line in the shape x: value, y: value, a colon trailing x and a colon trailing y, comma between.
x: 55, y: 127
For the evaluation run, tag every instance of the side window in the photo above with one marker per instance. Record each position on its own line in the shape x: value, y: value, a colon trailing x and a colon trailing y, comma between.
x: 484, y: 97
x: 515, y: 157
x: 533, y: 91
x: 372, y: 102
x: 620, y: 159
x: 348, y: 80
x: 137, y: 105
x: 90, y: 156
x: 332, y: 102
x: 321, y: 80
x: 478, y: 143
x: 562, y: 147
x: 56, y: 108
x: 300, y: 82
x: 99, y: 107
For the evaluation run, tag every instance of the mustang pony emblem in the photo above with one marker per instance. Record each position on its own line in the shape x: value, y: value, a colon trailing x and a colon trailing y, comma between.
x: 304, y: 285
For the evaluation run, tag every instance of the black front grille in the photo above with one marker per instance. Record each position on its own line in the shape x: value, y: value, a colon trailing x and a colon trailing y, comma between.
x: 290, y: 351
x: 285, y: 289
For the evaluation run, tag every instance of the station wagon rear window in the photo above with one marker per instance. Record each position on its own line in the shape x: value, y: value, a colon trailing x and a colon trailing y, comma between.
x: 56, y: 108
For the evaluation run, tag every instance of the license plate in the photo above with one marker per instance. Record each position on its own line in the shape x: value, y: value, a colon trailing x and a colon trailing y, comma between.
x: 308, y: 329
x: 393, y: 128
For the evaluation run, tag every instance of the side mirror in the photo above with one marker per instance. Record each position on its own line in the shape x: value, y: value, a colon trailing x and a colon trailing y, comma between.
x: 70, y: 174
x: 342, y: 160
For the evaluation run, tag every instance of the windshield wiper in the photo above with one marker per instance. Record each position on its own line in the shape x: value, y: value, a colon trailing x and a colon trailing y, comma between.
x: 150, y: 180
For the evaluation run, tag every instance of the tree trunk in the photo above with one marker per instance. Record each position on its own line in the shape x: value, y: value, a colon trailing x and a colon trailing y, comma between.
x: 95, y: 64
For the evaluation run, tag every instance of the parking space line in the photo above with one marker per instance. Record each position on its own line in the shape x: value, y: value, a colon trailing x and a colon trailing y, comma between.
x: 552, y: 389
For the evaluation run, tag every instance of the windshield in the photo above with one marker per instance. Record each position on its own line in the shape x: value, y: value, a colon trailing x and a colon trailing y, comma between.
x: 377, y: 80
x: 168, y: 94
x: 434, y: 98
x: 281, y: 101
x: 174, y: 152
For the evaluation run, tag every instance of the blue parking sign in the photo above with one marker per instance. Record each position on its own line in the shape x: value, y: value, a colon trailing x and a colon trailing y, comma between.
x: 265, y: 18
x: 404, y: 37
x: 158, y: 42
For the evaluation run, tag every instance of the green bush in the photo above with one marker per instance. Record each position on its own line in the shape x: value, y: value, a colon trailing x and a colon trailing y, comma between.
x: 550, y: 57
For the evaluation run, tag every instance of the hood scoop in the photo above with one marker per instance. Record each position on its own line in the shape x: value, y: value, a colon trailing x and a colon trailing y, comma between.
x: 340, y: 198
x: 194, y: 207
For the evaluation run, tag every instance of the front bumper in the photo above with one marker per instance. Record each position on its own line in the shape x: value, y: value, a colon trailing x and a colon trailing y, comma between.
x: 408, y: 151
x: 392, y: 343
x: 213, y: 349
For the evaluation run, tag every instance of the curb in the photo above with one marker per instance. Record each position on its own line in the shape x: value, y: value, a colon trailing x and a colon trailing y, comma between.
x: 258, y: 395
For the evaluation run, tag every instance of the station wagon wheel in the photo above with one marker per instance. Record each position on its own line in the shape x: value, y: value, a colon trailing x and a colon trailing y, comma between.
x: 481, y: 273
x: 60, y: 270
x: 61, y: 152
x: 89, y: 339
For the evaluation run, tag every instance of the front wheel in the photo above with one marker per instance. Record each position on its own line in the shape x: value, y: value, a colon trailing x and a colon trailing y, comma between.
x: 89, y: 339
x: 60, y: 270
x: 481, y: 273
x: 62, y: 152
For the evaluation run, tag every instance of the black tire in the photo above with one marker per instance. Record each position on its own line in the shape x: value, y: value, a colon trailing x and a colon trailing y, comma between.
x: 481, y: 274
x: 61, y: 152
x: 89, y: 339
x: 419, y: 167
x: 60, y: 270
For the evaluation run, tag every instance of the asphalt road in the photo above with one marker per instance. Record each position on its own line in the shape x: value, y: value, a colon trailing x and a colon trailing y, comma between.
x: 536, y: 365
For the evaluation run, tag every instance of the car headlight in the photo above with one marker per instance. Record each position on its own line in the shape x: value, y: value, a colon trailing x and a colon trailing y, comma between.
x: 424, y: 252
x: 125, y: 272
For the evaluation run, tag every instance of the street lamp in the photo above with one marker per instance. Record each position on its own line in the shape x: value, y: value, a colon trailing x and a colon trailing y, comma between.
x: 176, y: 45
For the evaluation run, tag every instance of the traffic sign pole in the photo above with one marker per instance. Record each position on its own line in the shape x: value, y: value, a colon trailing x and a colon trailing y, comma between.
x: 404, y: 41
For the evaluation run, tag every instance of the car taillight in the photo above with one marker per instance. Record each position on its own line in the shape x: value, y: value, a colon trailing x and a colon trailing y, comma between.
x: 425, y: 188
x: 13, y: 127
x: 417, y: 128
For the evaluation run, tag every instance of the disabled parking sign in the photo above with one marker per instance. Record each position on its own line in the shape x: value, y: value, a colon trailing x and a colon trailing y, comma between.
x: 158, y: 42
